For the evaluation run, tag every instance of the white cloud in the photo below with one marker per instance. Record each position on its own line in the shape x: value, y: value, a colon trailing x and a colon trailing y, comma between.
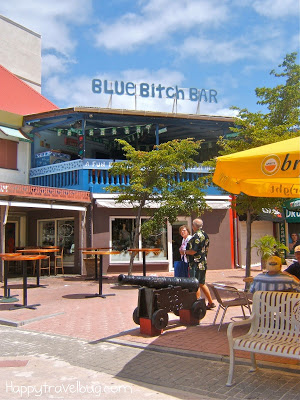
x: 52, y: 64
x: 166, y: 76
x: 207, y: 50
x: 259, y: 44
x: 276, y: 8
x: 294, y: 42
x: 226, y: 112
x: 78, y: 92
x: 53, y: 20
x: 157, y: 20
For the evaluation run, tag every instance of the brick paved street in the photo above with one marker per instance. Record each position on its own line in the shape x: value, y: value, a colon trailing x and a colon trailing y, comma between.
x: 94, y: 341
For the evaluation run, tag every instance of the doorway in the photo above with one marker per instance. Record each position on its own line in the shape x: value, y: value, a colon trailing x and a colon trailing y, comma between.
x: 10, y: 237
x: 58, y: 232
x: 176, y: 238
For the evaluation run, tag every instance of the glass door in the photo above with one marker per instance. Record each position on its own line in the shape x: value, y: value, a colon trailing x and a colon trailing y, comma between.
x: 65, y: 238
x: 60, y: 233
x: 177, y: 238
x: 46, y: 233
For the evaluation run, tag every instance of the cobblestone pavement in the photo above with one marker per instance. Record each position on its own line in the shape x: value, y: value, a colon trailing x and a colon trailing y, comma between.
x: 64, y: 367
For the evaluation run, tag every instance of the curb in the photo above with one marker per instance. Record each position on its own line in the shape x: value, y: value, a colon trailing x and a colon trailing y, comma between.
x: 207, y: 356
x: 15, y: 324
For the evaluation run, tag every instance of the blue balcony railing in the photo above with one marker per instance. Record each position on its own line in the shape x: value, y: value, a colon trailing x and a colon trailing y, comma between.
x: 91, y: 174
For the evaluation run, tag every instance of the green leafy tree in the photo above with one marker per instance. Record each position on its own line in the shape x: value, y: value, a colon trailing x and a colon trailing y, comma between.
x: 279, y: 122
x: 158, y: 176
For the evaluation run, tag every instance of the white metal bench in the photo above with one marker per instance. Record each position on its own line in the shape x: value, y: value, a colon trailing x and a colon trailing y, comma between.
x: 274, y: 329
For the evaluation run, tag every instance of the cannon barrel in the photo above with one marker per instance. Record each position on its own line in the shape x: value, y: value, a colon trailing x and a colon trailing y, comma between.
x: 155, y: 282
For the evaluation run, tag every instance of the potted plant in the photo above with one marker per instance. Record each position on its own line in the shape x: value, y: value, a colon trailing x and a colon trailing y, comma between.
x: 268, y: 246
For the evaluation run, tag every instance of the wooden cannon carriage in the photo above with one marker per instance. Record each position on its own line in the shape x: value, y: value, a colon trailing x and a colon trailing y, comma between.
x: 160, y: 295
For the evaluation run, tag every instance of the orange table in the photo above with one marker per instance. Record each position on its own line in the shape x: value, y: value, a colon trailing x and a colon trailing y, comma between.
x: 100, y: 253
x: 144, y: 251
x: 9, y: 256
x: 95, y: 249
x: 21, y: 258
x: 39, y: 251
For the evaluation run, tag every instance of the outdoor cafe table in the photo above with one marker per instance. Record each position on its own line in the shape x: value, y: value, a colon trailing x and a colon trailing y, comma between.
x: 96, y: 260
x: 144, y: 251
x: 100, y: 253
x: 21, y: 258
x: 39, y: 251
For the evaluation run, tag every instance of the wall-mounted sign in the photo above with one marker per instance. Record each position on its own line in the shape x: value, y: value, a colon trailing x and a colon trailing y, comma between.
x: 89, y: 163
x: 71, y: 142
x: 269, y: 214
x: 282, y: 233
x: 292, y: 216
x: 293, y: 204
x: 153, y: 90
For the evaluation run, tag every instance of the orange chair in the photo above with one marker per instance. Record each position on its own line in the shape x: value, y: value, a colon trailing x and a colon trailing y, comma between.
x: 43, y: 266
x: 61, y: 258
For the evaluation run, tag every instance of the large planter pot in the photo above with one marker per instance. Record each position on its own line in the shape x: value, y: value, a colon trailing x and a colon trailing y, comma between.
x: 89, y: 266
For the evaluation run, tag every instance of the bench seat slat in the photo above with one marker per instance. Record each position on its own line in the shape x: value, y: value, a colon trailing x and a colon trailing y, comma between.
x: 283, y: 348
x: 274, y: 328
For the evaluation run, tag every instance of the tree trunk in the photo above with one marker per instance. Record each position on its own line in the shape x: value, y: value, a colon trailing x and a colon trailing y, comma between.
x: 248, y: 248
x: 136, y: 236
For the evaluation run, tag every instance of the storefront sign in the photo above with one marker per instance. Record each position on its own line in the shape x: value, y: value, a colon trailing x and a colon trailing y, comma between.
x: 71, y: 142
x: 293, y: 205
x: 273, y: 215
x: 158, y: 91
x: 90, y: 163
x: 292, y: 216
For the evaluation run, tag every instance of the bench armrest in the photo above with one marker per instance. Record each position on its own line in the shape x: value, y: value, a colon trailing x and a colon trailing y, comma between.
x: 237, y: 323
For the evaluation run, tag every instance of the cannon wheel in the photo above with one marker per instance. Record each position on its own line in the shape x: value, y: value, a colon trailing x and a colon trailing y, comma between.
x: 135, y: 316
x: 160, y: 319
x: 199, y: 309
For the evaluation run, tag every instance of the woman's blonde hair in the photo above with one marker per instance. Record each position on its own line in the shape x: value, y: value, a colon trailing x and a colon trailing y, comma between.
x: 184, y: 227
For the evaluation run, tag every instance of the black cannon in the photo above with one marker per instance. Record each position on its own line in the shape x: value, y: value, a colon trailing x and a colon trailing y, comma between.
x: 160, y: 295
x: 156, y: 282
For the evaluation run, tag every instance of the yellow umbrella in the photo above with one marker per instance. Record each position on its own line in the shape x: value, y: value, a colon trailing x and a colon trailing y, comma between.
x: 272, y: 170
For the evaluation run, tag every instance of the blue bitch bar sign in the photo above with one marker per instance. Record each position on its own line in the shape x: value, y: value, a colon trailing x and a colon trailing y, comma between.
x: 121, y: 88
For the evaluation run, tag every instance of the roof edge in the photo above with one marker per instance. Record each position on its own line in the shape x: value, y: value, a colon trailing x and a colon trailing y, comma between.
x: 11, y: 120
x: 114, y: 111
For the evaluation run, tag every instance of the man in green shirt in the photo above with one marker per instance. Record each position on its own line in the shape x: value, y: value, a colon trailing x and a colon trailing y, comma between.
x: 197, y: 249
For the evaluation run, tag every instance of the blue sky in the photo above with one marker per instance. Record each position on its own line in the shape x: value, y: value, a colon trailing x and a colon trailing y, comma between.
x: 226, y: 45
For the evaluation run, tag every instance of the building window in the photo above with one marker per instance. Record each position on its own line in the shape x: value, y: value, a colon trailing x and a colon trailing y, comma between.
x: 8, y: 154
x: 58, y: 232
x: 122, y: 233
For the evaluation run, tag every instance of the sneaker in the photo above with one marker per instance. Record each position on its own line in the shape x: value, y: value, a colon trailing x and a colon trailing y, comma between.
x: 210, y: 306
